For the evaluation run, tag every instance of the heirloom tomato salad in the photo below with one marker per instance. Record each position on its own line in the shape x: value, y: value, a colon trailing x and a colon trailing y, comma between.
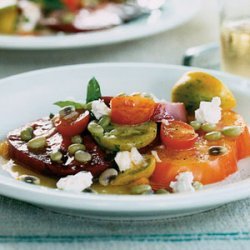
x: 133, y: 143
x: 51, y: 17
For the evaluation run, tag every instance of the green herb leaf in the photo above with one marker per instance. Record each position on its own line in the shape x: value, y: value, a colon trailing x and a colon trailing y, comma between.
x: 63, y: 104
x: 93, y: 90
x: 50, y: 5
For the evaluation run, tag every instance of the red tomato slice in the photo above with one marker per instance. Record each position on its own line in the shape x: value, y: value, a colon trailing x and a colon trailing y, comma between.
x: 131, y: 110
x: 72, y: 5
x: 72, y: 127
x: 178, y: 135
x: 107, y: 100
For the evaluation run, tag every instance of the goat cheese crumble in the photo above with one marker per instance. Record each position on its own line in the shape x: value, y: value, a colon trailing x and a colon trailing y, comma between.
x: 126, y: 159
x: 31, y: 14
x: 209, y: 112
x: 99, y: 109
x: 183, y: 183
x: 75, y: 183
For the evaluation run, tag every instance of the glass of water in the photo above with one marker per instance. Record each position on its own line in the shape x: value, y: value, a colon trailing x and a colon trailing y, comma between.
x: 235, y: 36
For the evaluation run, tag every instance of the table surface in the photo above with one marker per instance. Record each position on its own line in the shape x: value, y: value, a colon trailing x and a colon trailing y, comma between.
x: 24, y: 226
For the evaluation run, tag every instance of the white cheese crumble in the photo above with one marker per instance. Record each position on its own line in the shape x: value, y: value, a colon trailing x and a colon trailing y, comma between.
x: 99, y: 109
x: 156, y: 156
x: 31, y: 13
x: 136, y: 157
x: 183, y: 183
x: 165, y: 122
x: 209, y: 112
x: 123, y: 160
x: 126, y: 159
x: 75, y: 183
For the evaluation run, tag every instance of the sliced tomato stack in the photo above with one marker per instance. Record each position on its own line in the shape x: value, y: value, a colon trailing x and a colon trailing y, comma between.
x: 205, y: 167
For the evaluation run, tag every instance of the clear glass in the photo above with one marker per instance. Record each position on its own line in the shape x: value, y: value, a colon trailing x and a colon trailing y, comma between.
x: 235, y: 36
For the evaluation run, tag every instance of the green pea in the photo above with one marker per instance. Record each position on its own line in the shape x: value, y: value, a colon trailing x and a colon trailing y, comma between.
x: 75, y: 147
x: 208, y: 127
x: 217, y: 150
x: 95, y: 129
x: 161, y: 191
x: 140, y: 189
x: 56, y: 156
x: 197, y: 185
x: 232, y: 131
x: 37, y: 143
x: 104, y: 121
x: 196, y: 125
x: 82, y: 156
x: 77, y: 139
x: 213, y: 136
x: 27, y: 134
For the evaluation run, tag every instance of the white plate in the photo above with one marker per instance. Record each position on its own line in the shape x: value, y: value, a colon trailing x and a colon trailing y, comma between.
x: 29, y: 96
x: 175, y: 13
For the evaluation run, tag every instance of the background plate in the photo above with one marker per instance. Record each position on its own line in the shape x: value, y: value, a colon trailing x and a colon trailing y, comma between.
x: 29, y: 96
x: 175, y: 13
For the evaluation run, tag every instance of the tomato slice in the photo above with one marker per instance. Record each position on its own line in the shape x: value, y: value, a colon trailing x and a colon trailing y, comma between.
x: 242, y: 142
x: 72, y: 127
x: 107, y: 100
x: 72, y: 5
x: 178, y: 135
x: 131, y: 110
x: 205, y: 168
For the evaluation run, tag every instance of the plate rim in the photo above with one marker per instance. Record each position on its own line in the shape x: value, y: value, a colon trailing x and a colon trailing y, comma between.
x: 41, y: 43
x: 101, y: 203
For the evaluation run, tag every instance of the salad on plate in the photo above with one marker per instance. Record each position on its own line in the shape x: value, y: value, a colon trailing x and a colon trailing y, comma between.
x: 133, y: 143
x: 48, y: 17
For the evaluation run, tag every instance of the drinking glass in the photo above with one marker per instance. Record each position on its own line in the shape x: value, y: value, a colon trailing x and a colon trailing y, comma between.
x: 235, y: 36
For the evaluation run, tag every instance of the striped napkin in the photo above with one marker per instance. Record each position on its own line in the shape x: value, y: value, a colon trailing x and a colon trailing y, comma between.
x: 24, y: 226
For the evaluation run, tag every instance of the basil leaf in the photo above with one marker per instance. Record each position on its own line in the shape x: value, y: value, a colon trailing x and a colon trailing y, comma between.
x: 50, y: 5
x: 93, y: 90
x: 63, y: 104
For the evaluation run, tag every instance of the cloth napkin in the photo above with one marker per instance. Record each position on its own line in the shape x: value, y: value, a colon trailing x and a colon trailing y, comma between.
x: 24, y: 226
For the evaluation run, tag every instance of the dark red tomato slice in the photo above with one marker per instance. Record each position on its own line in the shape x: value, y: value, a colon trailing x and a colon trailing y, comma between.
x: 107, y: 100
x: 178, y: 135
x: 72, y: 127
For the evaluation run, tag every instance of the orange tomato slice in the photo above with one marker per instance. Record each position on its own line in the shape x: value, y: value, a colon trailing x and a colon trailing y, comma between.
x: 206, y: 168
x: 131, y: 110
